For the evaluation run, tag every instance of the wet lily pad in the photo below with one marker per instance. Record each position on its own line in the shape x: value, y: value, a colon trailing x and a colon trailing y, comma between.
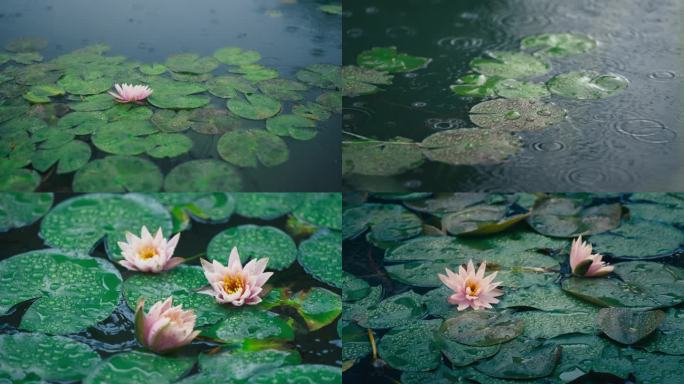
x: 321, y: 257
x: 228, y: 87
x: 359, y: 81
x: 250, y: 147
x: 236, y: 56
x: 514, y: 89
x: 18, y: 180
x: 82, y: 123
x: 380, y: 158
x: 253, y: 241
x: 213, y: 121
x: 586, y: 85
x: 21, y: 209
x: 174, y: 101
x: 255, y: 107
x: 34, y: 357
x: 255, y: 72
x: 476, y: 85
x: 118, y: 174
x: 42, y: 93
x: 139, y: 367
x: 191, y: 63
x: 321, y: 210
x: 266, y: 206
x: 82, y: 290
x: 311, y: 373
x: 213, y: 208
x: 167, y: 120
x: 26, y: 44
x: 470, y: 146
x: 153, y: 69
x: 528, y: 359
x: 326, y: 76
x: 481, y: 220
x: 481, y: 328
x: 628, y: 326
x: 124, y: 137
x: 9, y: 111
x: 461, y: 355
x: 547, y: 325
x: 295, y: 126
x: 353, y: 288
x: 559, y: 44
x: 350, y: 311
x: 331, y: 100
x: 550, y: 298
x: 355, y: 343
x: 81, y: 222
x: 168, y: 145
x: 636, y: 239
x: 565, y: 217
x: 68, y: 157
x: 512, y: 65
x: 311, y: 111
x: 86, y: 83
x: 203, y: 176
x: 515, y: 115
x: 411, y: 347
x: 393, y: 311
x: 283, y: 89
x: 421, y: 273
x: 389, y: 60
x: 241, y: 365
x: 251, y: 324
x: 93, y: 103
x: 318, y: 307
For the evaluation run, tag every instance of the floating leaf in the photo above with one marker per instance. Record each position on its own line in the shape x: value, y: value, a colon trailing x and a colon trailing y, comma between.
x: 461, y: 355
x: 213, y: 121
x: 8, y: 112
x: 514, y: 89
x: 393, y: 311
x: 559, y: 44
x: 21, y: 209
x: 18, y: 180
x: 565, y: 217
x: 380, y: 158
x: 584, y: 85
x: 139, y: 367
x: 481, y: 329
x: 246, y: 323
x: 311, y: 111
x: 321, y: 209
x: 152, y: 69
x: 249, y: 147
x: 353, y: 288
x: 628, y: 326
x: 389, y: 60
x: 317, y: 306
x: 636, y: 239
x: 241, y: 365
x: 255, y: 72
x: 167, y: 120
x: 191, y: 63
x: 203, y: 176
x: 213, y: 208
x: 68, y: 157
x: 547, y: 325
x: 326, y: 76
x: 86, y: 83
x: 295, y: 126
x: 82, y: 290
x: 321, y: 256
x: 331, y: 100
x: 411, y: 347
x: 236, y: 56
x: 93, y: 103
x: 118, y: 174
x: 256, y: 107
x: 42, y: 93
x: 512, y: 65
x: 168, y: 145
x: 304, y: 373
x: 229, y: 87
x: 82, y: 123
x: 528, y: 359
x: 173, y: 101
x: 515, y: 115
x: 470, y: 146
x: 266, y: 206
x: 481, y: 220
x: 283, y: 89
x: 476, y: 85
x: 124, y: 137
x: 253, y: 241
x: 359, y: 81
x: 34, y: 357
x: 351, y: 311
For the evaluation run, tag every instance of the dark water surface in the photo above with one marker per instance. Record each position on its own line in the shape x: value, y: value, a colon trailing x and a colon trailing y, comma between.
x: 288, y: 35
x: 628, y: 142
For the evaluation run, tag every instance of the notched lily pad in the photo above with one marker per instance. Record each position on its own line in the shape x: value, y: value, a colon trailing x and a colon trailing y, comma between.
x: 68, y: 157
x: 191, y: 63
x: 380, y: 158
x: 481, y: 328
x: 295, y: 126
x: 254, y: 241
x: 512, y: 65
x: 389, y: 60
x: 359, y: 81
x: 587, y: 85
x: 628, y: 326
x: 411, y: 347
x: 249, y: 147
x: 558, y: 44
x: 527, y: 359
x: 255, y: 107
x: 470, y: 146
x: 393, y: 311
x: 236, y: 56
x: 326, y: 76
x: 565, y: 217
x: 515, y: 115
x: 481, y: 219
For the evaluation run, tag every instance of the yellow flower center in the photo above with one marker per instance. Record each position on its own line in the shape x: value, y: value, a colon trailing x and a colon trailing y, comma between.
x: 147, y: 253
x: 232, y: 284
x: 473, y: 286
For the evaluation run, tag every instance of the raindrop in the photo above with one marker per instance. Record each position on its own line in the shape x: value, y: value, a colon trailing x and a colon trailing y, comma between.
x: 418, y: 104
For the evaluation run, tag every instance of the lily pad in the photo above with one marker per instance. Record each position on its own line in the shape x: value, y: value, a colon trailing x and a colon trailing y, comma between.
x: 255, y: 72
x: 421, y: 273
x: 411, y: 347
x: 93, y: 103
x: 318, y: 307
x: 255, y: 107
x: 636, y: 239
x: 481, y: 220
x: 18, y: 180
x: 139, y: 367
x: 380, y: 158
x: 249, y: 147
x: 68, y: 157
x: 476, y: 85
x: 246, y: 323
x: 353, y: 288
x: 168, y: 145
x: 8, y: 111
x: 628, y: 326
x: 266, y: 206
x: 321, y: 257
x: 34, y: 357
x: 241, y: 365
x: 213, y: 208
x: 124, y: 137
x: 565, y: 217
x: 461, y: 355
x: 393, y: 311
x: 203, y: 176
x: 167, y: 120
x: 236, y: 56
x: 21, y: 209
x: 228, y: 87
x: 331, y: 100
x: 321, y: 210
x: 311, y: 111
x: 471, y: 146
x: 295, y: 126
x: 304, y: 373
x: 174, y: 101
x: 514, y: 89
x: 81, y: 222
x: 512, y: 65
x: 153, y: 69
x: 86, y: 83
x: 359, y: 81
x: 389, y: 60
x: 586, y: 85
x: 326, y: 76
x: 515, y: 115
x: 283, y: 89
x: 82, y: 290
x: 526, y: 359
x: 191, y: 63
x: 82, y: 123
x: 253, y: 241
x: 559, y: 44
x: 547, y: 325
x: 213, y: 121
x: 481, y: 329
x: 42, y: 93
x: 118, y: 174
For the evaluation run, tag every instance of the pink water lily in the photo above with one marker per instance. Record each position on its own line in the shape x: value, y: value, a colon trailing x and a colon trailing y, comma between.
x: 584, y: 263
x: 472, y: 288
x: 128, y: 93
x: 164, y: 327
x: 149, y: 254
x: 234, y: 284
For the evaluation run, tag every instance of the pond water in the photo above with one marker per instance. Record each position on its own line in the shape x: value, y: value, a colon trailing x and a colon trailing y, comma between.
x: 272, y: 223
x: 396, y: 245
x: 630, y: 141
x: 287, y: 36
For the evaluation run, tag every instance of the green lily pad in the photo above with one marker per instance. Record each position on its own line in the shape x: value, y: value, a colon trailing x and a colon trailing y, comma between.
x: 191, y: 63
x: 139, y: 367
x: 643, y: 284
x: 18, y: 180
x: 421, y: 273
x: 82, y: 123
x: 253, y: 241
x: 81, y: 292
x: 153, y: 69
x: 461, y: 355
x: 118, y: 174
x: 380, y: 158
x: 389, y: 60
x: 8, y: 112
x: 283, y: 89
x: 359, y: 81
x: 81, y: 222
x: 351, y: 311
x: 213, y: 121
x: 255, y: 72
x: 321, y: 257
x: 470, y: 146
x: 249, y: 147
x: 353, y: 288
x: 326, y: 76
x: 393, y: 311
x: 481, y: 219
x: 124, y: 137
x: 321, y: 210
x: 586, y: 85
x: 34, y: 357
x: 167, y: 120
x: 205, y: 175
x: 628, y: 326
x: 411, y: 347
x: 331, y: 100
x: 355, y: 344
x: 359, y: 219
x: 318, y: 307
x: 549, y: 298
x: 528, y: 359
x: 304, y: 373
x: 86, y: 83
x: 68, y: 157
x: 266, y: 206
x: 559, y: 44
x: 41, y: 93
x: 21, y: 209
x: 174, y: 101
x: 515, y: 115
x: 168, y: 145
x: 565, y: 217
x: 637, y: 239
x: 246, y: 323
x: 255, y: 107
x: 228, y: 87
x: 481, y: 328
x: 295, y: 126
x: 476, y: 85
x: 213, y: 208
x: 514, y: 89
x: 511, y: 65
x: 241, y: 365
x: 128, y: 112
x: 547, y: 325
x: 311, y: 111
x: 236, y: 56
x: 93, y: 103
x: 26, y: 44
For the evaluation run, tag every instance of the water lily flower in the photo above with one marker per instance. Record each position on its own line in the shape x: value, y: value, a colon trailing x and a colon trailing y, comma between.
x: 165, y: 327
x: 234, y: 284
x: 127, y: 93
x: 472, y: 289
x: 584, y: 263
x: 149, y: 254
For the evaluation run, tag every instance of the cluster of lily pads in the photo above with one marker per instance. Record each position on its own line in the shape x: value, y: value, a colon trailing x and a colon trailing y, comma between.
x: 58, y: 293
x: 551, y: 324
x: 53, y: 112
x: 517, y: 104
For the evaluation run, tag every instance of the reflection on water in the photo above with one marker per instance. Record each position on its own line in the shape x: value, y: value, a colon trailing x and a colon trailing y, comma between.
x: 630, y: 141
